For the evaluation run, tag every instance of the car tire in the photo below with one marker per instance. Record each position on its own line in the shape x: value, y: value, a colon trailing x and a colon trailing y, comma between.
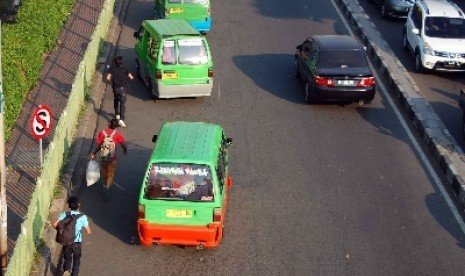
x: 297, y: 72
x: 153, y: 90
x: 405, y: 41
x: 463, y: 125
x: 308, y: 95
x: 382, y: 11
x: 139, y: 70
x: 418, y: 64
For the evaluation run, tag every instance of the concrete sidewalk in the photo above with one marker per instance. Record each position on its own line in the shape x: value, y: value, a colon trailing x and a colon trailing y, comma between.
x: 53, y: 88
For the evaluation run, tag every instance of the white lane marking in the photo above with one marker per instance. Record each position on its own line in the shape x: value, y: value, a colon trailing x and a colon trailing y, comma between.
x: 415, y: 144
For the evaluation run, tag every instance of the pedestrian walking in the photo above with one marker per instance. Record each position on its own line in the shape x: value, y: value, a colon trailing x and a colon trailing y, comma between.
x: 118, y: 76
x: 107, y: 140
x: 72, y: 252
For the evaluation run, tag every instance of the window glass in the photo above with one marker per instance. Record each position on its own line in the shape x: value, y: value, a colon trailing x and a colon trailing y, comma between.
x: 444, y: 27
x: 192, y: 51
x: 417, y: 16
x: 342, y: 59
x: 169, y: 52
x: 188, y: 182
x: 153, y: 48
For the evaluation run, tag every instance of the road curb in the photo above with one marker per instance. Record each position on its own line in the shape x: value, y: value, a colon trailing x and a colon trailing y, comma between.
x: 432, y: 130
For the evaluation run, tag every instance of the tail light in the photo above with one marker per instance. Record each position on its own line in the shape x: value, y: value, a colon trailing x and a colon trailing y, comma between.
x: 323, y: 81
x: 366, y: 82
x: 167, y: 12
x: 217, y: 214
x: 141, y: 211
x: 208, y: 12
x: 210, y: 72
x: 229, y: 182
x: 158, y: 75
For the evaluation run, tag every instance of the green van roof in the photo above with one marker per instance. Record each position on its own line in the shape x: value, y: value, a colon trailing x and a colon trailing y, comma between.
x: 170, y: 27
x: 187, y: 142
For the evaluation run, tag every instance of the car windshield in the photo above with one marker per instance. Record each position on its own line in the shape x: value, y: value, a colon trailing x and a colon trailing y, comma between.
x: 444, y: 27
x: 188, y: 182
x: 202, y: 2
x: 343, y: 58
x: 192, y: 51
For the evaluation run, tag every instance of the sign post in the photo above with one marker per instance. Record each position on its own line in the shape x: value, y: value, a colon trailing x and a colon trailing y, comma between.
x: 40, y: 125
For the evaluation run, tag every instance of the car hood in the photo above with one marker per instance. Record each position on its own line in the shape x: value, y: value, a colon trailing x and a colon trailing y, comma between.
x: 454, y: 45
x: 342, y: 72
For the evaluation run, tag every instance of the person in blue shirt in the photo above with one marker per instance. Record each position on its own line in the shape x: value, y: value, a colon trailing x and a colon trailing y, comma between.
x: 72, y: 253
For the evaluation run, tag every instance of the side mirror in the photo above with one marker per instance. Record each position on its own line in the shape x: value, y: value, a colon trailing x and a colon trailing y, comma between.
x: 416, y: 31
x: 228, y: 141
x: 136, y: 34
x: 154, y: 138
x: 299, y: 47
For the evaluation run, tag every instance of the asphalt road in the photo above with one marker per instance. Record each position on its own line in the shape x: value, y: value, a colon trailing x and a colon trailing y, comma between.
x: 441, y: 89
x: 317, y: 190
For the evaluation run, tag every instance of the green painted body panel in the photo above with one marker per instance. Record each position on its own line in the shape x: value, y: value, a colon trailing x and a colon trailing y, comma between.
x: 188, y: 70
x: 186, y: 143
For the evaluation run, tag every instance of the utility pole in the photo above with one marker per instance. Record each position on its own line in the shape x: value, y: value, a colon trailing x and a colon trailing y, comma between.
x: 3, y: 205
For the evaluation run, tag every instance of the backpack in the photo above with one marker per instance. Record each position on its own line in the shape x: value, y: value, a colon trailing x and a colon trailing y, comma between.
x: 66, y: 229
x: 108, y: 147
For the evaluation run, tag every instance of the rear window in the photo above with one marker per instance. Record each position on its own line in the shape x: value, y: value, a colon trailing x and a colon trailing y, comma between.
x: 192, y: 51
x: 352, y: 58
x: 189, y: 51
x: 185, y: 182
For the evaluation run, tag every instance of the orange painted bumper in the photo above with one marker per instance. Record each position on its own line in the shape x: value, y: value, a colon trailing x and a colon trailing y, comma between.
x: 207, y: 236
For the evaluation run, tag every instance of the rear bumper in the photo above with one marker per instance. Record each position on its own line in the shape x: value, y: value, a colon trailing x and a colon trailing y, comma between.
x: 202, y: 25
x: 185, y: 90
x: 398, y: 11
x: 207, y: 236
x: 333, y: 93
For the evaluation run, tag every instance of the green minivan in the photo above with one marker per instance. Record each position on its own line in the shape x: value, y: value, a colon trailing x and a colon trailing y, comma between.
x: 184, y: 191
x: 196, y: 12
x: 173, y: 59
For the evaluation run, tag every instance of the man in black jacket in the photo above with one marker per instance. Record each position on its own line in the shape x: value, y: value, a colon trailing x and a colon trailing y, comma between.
x: 118, y: 76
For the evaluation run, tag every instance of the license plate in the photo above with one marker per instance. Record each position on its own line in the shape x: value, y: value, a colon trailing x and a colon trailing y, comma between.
x: 171, y: 213
x: 450, y: 64
x: 345, y: 82
x: 170, y: 76
x: 176, y: 10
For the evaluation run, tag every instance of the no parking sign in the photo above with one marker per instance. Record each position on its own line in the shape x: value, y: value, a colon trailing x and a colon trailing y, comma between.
x: 41, y: 121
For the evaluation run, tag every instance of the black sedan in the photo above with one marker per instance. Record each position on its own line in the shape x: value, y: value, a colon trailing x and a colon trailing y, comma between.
x: 334, y: 67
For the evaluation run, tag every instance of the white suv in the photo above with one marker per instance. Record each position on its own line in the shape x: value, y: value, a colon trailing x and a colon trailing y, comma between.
x: 435, y: 34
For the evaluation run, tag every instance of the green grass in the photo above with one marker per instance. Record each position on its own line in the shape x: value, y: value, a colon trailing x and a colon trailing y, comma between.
x: 24, y: 46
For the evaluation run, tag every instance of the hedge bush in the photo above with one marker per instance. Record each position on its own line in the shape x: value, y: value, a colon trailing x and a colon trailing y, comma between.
x: 25, y: 44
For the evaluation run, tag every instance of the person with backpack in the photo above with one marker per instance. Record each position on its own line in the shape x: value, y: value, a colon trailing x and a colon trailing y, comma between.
x: 69, y: 225
x: 107, y: 140
x: 118, y: 76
